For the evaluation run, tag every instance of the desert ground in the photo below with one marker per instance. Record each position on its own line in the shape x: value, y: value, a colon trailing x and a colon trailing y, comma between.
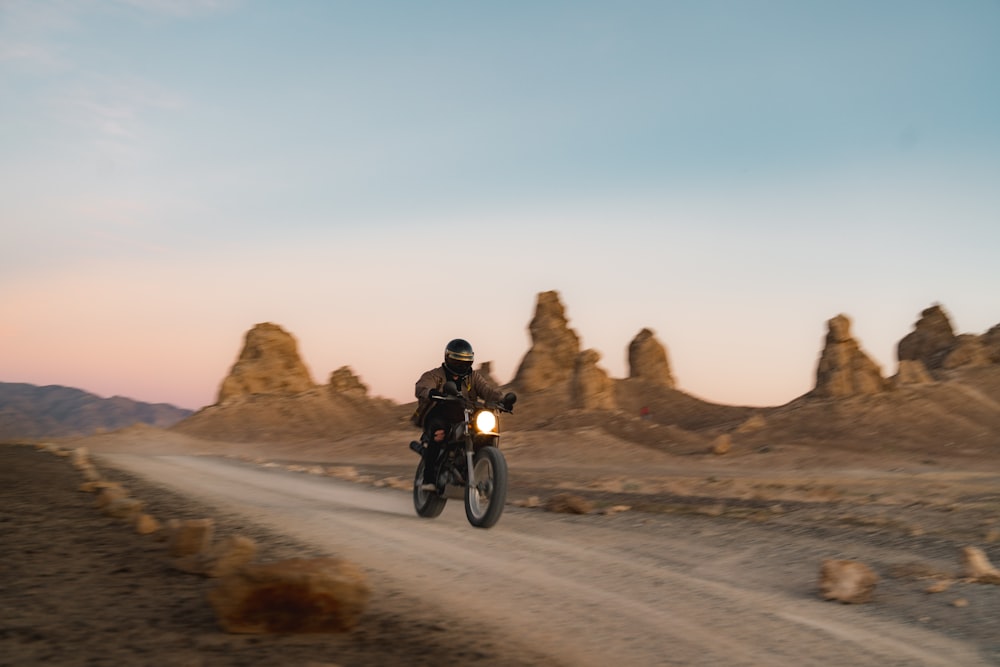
x: 685, y: 557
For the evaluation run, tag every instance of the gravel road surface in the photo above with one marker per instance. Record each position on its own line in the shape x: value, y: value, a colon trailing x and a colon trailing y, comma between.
x: 628, y: 589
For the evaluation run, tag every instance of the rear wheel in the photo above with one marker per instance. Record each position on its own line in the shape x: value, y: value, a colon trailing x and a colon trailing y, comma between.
x: 486, y: 495
x: 427, y: 503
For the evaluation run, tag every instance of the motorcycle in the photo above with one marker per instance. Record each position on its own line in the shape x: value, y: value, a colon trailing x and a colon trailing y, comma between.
x: 470, y: 464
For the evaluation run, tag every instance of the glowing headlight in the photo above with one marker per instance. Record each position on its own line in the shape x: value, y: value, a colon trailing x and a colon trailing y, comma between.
x: 486, y: 421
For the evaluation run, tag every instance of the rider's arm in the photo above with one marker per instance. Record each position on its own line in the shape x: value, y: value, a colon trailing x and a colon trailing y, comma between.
x: 485, y: 389
x: 432, y: 379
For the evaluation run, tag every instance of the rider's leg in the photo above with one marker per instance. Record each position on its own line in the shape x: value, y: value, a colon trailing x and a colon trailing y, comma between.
x: 434, y: 436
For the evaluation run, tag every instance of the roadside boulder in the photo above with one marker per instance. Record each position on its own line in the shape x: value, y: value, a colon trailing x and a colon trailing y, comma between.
x: 146, y: 524
x: 80, y: 457
x: 978, y: 567
x: 291, y: 596
x: 568, y: 503
x: 847, y: 581
x: 108, y: 495
x: 722, y: 444
x: 188, y: 537
x: 124, y: 508
x: 220, y: 559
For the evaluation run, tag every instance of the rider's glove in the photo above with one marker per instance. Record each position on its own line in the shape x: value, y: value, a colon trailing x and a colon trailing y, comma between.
x: 508, y: 401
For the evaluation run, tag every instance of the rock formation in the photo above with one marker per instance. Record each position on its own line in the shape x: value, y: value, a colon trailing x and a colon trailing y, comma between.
x: 591, y: 387
x: 268, y: 364
x: 991, y: 342
x: 930, y: 341
x: 934, y: 343
x: 647, y: 360
x: 967, y: 352
x: 912, y: 372
x: 552, y: 357
x: 270, y: 396
x: 844, y: 369
x: 343, y: 382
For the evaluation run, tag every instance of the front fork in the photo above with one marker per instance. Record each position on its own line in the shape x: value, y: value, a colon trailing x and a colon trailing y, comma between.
x: 470, y: 478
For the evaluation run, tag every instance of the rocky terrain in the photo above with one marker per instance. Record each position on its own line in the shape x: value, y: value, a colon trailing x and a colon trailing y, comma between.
x: 945, y: 395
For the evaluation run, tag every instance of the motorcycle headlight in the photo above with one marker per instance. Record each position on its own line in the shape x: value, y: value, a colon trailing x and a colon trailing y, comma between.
x: 486, y: 422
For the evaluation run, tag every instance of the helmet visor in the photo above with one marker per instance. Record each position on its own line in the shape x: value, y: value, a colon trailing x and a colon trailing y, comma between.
x: 458, y: 366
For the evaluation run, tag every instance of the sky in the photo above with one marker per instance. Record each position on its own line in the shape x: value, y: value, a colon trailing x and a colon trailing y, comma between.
x: 380, y: 177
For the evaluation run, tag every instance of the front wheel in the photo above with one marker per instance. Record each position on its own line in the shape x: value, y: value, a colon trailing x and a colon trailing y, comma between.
x: 486, y: 493
x: 427, y: 503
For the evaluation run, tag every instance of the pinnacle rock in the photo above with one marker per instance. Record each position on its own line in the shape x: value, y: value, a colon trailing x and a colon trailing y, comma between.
x: 930, y: 341
x: 554, y: 347
x: 268, y: 364
x: 844, y: 369
x: 647, y: 359
x: 343, y: 382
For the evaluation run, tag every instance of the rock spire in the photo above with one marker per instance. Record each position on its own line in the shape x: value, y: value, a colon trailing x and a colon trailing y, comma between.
x: 647, y: 360
x: 844, y: 369
x: 934, y: 343
x: 268, y: 364
x: 930, y: 341
x: 552, y: 358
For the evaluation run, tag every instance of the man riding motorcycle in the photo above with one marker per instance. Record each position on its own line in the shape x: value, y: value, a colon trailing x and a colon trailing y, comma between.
x: 435, y: 417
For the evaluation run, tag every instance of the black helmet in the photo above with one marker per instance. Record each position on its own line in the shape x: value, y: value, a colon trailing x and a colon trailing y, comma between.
x: 458, y: 357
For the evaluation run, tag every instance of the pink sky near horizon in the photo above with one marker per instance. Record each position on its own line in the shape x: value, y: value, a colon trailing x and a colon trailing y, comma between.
x: 125, y: 332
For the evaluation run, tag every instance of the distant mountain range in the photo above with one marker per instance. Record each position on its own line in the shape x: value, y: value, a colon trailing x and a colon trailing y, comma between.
x: 30, y: 412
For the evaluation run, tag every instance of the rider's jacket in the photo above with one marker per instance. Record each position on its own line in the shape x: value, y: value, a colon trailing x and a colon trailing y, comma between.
x: 474, y: 386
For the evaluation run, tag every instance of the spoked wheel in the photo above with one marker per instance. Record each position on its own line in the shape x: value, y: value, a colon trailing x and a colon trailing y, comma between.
x: 427, y: 503
x: 487, y: 494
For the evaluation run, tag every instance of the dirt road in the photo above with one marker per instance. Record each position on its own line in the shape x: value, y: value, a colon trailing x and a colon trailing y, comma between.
x: 628, y: 589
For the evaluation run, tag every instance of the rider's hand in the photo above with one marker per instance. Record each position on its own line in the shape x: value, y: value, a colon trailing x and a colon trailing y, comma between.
x: 508, y: 401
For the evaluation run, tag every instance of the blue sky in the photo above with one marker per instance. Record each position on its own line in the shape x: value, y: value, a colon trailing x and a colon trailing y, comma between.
x: 379, y: 177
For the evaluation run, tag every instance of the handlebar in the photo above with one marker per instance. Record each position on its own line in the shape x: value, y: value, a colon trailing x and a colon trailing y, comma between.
x: 473, y: 404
